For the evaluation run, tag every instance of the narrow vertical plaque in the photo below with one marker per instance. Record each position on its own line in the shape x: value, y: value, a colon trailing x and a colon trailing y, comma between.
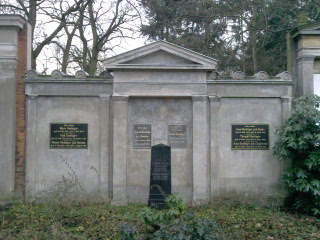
x: 141, y: 135
x: 177, y: 136
x: 160, y: 176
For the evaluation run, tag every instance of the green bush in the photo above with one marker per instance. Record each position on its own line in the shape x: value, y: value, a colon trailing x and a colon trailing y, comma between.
x: 299, y: 141
x: 186, y: 227
x: 175, y: 222
x: 152, y: 218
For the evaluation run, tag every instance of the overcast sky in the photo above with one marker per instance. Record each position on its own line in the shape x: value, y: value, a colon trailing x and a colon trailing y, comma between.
x: 46, y: 59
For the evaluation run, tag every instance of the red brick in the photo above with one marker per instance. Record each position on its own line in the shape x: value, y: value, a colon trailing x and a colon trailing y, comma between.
x: 21, y: 113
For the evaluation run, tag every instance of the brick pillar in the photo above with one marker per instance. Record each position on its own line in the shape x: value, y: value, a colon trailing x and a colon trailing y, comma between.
x: 21, y: 111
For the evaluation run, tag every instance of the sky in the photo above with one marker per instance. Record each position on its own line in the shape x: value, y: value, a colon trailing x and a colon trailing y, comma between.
x: 46, y: 62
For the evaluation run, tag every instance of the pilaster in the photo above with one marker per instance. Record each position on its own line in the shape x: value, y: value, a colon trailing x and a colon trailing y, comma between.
x: 120, y: 129
x: 31, y: 147
x: 286, y: 107
x: 104, y: 145
x: 304, y: 83
x: 200, y: 149
x: 214, y: 144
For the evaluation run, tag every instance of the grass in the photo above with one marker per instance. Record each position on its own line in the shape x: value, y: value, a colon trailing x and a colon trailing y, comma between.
x: 102, y: 221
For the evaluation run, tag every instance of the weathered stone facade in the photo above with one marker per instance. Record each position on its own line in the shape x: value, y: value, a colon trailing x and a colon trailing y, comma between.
x: 160, y: 86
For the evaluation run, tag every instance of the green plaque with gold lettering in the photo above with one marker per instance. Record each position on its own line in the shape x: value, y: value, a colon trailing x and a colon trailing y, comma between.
x: 250, y: 137
x: 68, y: 135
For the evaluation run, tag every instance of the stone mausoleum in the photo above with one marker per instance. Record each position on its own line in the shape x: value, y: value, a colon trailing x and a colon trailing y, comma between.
x: 91, y: 136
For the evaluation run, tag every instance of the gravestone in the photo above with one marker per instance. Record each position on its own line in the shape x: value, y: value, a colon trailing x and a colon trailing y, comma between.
x: 160, y: 176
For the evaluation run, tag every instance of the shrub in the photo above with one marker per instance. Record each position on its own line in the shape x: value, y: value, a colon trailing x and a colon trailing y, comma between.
x: 127, y: 232
x: 172, y: 223
x: 299, y: 141
x: 186, y: 227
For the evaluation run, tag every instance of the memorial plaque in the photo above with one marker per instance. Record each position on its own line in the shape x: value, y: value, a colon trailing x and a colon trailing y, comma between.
x: 160, y: 176
x: 141, y: 135
x: 250, y: 137
x: 68, y: 135
x: 177, y: 136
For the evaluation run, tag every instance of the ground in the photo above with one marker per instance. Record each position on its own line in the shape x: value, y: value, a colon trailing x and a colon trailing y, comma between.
x: 102, y: 221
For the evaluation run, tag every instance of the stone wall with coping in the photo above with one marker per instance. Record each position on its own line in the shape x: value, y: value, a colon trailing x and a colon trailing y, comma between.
x: 67, y: 173
x: 160, y: 84
x: 111, y: 168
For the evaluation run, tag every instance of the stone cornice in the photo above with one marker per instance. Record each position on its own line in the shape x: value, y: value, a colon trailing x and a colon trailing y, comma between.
x: 12, y: 21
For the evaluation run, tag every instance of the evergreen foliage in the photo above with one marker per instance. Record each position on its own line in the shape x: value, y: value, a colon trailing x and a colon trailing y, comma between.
x: 249, y: 36
x: 299, y: 141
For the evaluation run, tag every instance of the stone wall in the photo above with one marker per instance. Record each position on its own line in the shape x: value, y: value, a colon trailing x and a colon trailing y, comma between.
x: 67, y: 173
x: 159, y: 113
x: 205, y: 169
x: 160, y: 86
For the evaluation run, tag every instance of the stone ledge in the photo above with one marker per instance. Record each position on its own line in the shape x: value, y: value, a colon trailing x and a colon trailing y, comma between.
x: 8, y: 20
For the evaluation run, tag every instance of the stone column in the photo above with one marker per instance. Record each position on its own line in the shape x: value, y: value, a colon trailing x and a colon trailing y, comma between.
x: 9, y: 28
x: 31, y: 151
x: 104, y: 145
x: 286, y: 110
x: 286, y: 107
x: 200, y: 150
x: 214, y: 144
x: 120, y: 131
x: 304, y: 83
x: 7, y: 126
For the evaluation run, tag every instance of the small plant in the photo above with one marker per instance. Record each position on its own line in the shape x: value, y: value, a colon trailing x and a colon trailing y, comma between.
x: 189, y: 226
x: 152, y: 218
x: 67, y: 189
x: 172, y: 223
x: 127, y: 232
x: 299, y: 141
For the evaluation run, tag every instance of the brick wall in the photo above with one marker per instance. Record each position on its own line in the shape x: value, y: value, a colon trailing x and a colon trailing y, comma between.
x: 21, y: 112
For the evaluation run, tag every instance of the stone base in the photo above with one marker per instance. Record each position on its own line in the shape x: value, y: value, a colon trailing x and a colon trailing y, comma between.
x: 4, y: 200
x: 198, y: 202
x: 253, y: 201
x: 119, y: 202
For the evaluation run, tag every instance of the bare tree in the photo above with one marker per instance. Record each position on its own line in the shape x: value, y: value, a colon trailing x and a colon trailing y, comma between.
x: 54, y: 13
x: 83, y: 30
x: 101, y: 24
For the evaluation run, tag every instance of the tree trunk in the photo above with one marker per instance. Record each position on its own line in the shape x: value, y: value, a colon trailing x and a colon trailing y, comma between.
x: 92, y: 68
x: 254, y: 40
x: 66, y: 51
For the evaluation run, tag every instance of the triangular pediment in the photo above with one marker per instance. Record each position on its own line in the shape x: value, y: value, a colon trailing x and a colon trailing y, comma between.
x: 312, y: 26
x: 307, y: 29
x: 160, y: 55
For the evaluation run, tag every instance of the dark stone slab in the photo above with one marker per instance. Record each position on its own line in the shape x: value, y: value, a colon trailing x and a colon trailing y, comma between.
x: 68, y: 135
x: 250, y: 137
x: 160, y: 176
